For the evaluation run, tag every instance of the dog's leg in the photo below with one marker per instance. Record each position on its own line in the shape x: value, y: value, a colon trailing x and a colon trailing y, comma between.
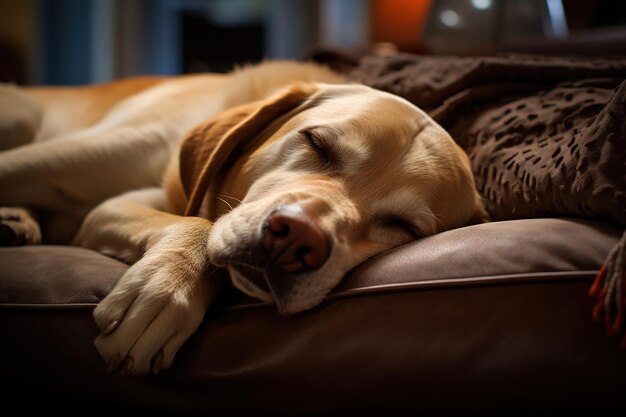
x: 72, y: 174
x: 85, y: 167
x: 20, y: 117
x: 162, y: 298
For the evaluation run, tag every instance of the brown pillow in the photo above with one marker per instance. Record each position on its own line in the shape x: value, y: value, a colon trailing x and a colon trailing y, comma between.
x: 546, y: 135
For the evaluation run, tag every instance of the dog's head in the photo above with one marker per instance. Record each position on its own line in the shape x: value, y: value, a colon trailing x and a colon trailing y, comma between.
x: 322, y: 177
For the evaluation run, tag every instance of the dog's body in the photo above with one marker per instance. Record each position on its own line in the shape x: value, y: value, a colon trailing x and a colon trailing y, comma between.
x: 288, y: 190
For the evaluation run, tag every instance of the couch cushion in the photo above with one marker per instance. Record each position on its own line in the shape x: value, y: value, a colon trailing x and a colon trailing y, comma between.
x: 489, y: 318
x: 60, y: 276
x: 507, y: 250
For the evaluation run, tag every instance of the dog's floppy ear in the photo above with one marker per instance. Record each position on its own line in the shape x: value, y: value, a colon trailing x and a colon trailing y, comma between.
x: 216, y: 143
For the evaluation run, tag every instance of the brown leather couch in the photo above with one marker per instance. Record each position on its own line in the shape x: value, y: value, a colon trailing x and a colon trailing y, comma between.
x: 487, y: 318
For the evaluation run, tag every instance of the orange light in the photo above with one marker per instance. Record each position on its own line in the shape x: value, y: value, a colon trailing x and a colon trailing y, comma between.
x: 399, y: 22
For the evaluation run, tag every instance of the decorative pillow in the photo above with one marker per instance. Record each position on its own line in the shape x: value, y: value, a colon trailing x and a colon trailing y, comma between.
x: 546, y: 135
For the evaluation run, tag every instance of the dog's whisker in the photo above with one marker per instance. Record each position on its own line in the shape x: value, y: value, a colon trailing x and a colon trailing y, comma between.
x: 227, y: 195
x: 435, y: 216
x: 224, y: 201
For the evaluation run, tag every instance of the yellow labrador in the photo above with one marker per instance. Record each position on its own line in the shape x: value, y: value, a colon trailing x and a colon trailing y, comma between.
x: 287, y: 186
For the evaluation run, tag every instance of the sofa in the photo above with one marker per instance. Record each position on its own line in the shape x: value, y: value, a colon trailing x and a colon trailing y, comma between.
x: 488, y: 318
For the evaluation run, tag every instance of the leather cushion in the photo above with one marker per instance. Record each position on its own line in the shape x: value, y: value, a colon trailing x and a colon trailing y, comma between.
x: 494, y: 316
x: 62, y: 276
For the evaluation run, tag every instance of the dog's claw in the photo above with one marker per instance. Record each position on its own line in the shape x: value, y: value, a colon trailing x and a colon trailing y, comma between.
x: 157, y: 362
x: 110, y: 327
x: 113, y: 364
x: 127, y: 366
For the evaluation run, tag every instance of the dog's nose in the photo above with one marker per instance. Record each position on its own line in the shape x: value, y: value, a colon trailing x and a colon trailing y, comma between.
x: 294, y: 239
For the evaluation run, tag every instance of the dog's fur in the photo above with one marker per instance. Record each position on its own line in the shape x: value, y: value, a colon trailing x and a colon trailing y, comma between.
x: 287, y: 186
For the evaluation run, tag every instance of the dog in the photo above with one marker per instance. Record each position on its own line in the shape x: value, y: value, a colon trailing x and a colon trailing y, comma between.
x: 282, y: 173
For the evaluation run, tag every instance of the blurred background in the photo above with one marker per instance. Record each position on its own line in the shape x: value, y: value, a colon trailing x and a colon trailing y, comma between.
x: 87, y: 41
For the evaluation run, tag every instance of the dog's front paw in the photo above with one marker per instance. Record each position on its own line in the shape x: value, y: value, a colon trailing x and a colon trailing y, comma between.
x: 18, y: 227
x: 158, y: 303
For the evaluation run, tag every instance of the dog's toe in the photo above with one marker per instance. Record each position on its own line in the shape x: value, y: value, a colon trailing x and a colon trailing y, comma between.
x: 113, y: 364
x: 18, y: 227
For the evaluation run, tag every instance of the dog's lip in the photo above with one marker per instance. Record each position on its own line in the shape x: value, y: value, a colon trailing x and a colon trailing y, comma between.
x: 288, y: 308
x: 256, y: 277
x: 253, y: 281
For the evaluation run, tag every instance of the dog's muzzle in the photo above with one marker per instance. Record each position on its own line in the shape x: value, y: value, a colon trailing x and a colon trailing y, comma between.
x: 290, y: 246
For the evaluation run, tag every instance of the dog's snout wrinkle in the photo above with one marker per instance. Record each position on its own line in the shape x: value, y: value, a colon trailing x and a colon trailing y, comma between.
x: 294, y: 239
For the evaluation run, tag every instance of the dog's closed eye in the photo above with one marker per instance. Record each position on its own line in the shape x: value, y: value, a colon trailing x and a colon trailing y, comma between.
x: 321, y: 140
x: 401, y: 225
